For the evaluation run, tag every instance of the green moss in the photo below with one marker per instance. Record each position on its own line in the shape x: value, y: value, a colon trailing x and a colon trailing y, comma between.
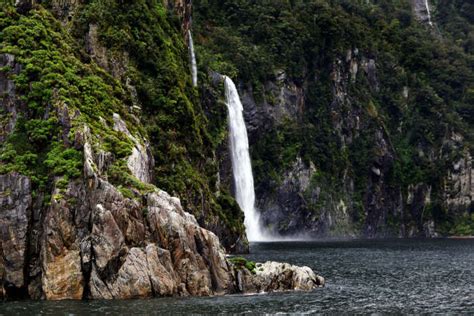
x: 181, y: 137
x: 52, y: 79
x: 463, y: 226
x: 308, y: 40
x: 242, y: 263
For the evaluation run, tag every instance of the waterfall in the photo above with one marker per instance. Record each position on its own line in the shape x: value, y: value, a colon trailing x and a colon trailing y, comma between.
x: 193, y: 59
x: 241, y: 166
x: 428, y: 12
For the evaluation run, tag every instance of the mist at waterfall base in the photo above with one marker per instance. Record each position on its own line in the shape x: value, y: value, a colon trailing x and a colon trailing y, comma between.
x: 242, y: 170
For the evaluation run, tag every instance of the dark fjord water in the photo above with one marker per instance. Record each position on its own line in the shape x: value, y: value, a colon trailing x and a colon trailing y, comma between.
x: 363, y: 277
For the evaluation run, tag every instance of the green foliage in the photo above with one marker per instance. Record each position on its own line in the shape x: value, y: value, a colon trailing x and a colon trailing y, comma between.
x: 119, y: 175
x: 241, y: 263
x: 54, y: 82
x: 176, y: 124
x: 64, y: 161
x: 464, y: 226
x: 309, y: 40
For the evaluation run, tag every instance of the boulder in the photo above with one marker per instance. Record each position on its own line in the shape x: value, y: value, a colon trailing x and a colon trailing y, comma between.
x: 275, y: 276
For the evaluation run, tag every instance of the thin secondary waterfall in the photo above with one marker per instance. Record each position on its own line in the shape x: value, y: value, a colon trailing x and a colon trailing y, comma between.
x: 428, y: 12
x: 193, y: 59
x: 242, y: 168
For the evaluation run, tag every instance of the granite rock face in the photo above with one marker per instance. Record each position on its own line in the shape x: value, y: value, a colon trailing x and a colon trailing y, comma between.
x: 277, y: 277
x: 15, y: 212
x: 299, y: 203
x: 95, y: 243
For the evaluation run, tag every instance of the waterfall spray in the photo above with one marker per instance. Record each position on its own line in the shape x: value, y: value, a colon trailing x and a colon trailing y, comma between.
x: 242, y: 168
x: 193, y: 59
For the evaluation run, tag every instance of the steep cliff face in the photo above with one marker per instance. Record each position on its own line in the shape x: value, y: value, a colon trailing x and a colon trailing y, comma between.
x: 142, y: 45
x: 80, y: 215
x: 355, y: 128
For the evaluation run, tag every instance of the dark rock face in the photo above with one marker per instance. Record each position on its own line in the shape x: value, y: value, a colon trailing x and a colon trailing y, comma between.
x: 9, y: 103
x: 97, y: 244
x: 24, y: 6
x: 295, y: 206
x: 288, y: 205
x: 92, y: 242
x: 183, y: 9
x: 283, y: 100
x: 15, y: 212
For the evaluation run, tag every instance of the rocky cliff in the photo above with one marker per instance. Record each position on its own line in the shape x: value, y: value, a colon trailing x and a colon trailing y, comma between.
x: 81, y: 216
x: 355, y: 128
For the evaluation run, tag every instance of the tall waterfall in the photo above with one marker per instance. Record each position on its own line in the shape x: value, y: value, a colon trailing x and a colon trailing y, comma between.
x: 193, y: 59
x: 242, y: 168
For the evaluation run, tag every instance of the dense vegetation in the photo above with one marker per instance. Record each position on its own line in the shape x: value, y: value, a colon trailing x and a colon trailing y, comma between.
x: 64, y: 64
x: 52, y: 86
x: 183, y: 144
x: 130, y: 58
x: 254, y: 40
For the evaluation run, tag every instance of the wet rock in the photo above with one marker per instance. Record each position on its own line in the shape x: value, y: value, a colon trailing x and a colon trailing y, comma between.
x: 162, y: 275
x: 107, y: 238
x: 289, y: 201
x: 141, y: 161
x: 275, y: 276
x: 180, y: 234
x: 15, y: 211
x: 62, y: 276
x: 459, y: 185
x: 132, y: 280
x: 422, y: 10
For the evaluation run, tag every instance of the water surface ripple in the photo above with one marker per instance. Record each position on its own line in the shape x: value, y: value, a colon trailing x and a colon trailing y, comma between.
x: 363, y: 277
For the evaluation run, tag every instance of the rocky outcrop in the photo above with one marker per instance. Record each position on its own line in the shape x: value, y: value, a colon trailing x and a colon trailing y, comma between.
x: 276, y: 277
x: 116, y: 64
x: 141, y: 161
x: 459, y: 184
x: 97, y: 244
x: 183, y: 8
x: 290, y: 201
x: 283, y: 99
x: 15, y: 213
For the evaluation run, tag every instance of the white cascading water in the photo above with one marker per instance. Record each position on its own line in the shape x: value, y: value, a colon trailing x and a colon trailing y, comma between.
x: 428, y: 12
x: 192, y: 54
x: 241, y: 166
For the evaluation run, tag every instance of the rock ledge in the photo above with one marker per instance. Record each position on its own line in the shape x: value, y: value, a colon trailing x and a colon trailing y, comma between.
x: 278, y: 277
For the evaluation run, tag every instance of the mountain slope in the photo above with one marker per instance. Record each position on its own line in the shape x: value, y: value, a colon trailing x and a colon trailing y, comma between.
x: 80, y: 214
x: 359, y: 112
